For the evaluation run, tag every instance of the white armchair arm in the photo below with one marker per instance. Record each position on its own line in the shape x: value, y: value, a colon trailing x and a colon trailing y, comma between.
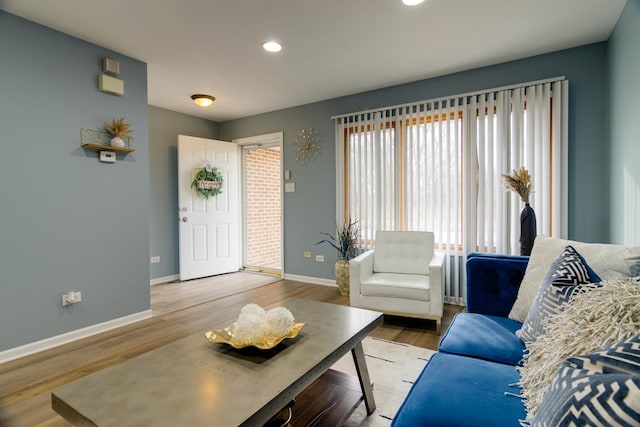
x: 436, y: 279
x: 360, y: 268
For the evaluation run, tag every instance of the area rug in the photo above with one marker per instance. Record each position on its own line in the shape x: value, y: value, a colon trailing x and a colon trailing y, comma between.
x: 393, y: 367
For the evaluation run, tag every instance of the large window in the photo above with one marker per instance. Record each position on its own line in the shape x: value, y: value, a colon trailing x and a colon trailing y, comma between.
x: 438, y: 165
x: 371, y: 193
x: 432, y: 177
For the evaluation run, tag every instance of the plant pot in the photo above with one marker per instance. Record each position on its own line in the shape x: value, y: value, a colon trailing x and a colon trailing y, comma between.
x: 116, y: 141
x: 342, y: 276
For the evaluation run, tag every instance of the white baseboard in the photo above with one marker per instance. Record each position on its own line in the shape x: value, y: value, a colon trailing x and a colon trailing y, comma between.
x: 47, y: 343
x: 314, y: 280
x: 165, y: 279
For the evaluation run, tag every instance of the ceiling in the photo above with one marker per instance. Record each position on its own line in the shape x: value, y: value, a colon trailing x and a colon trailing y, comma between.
x: 331, y: 48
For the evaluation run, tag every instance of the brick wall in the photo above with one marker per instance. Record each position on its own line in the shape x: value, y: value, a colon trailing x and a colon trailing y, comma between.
x: 263, y: 208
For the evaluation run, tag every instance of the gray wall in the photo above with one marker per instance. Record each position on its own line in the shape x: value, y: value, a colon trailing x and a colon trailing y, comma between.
x: 624, y: 74
x: 67, y: 221
x: 311, y: 209
x: 164, y: 128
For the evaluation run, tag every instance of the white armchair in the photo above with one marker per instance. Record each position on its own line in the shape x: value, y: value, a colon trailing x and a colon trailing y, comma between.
x: 402, y: 276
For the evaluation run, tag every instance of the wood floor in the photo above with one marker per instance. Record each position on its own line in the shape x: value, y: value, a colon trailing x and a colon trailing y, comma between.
x: 180, y: 309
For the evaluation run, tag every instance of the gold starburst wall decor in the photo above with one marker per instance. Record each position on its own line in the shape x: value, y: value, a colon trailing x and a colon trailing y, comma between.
x: 307, y: 147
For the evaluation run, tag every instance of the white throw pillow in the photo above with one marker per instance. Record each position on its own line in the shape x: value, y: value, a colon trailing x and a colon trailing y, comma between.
x: 608, y: 261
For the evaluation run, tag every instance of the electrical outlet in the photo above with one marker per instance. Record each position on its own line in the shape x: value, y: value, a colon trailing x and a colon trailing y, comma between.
x: 307, y: 254
x: 71, y: 297
x: 319, y: 258
x: 155, y: 259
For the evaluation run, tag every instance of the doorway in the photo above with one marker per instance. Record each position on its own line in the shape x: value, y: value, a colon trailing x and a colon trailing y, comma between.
x: 262, y: 197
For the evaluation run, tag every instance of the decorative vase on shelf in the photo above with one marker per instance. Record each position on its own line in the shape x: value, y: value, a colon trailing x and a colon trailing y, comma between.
x: 116, y: 141
x: 528, y: 229
x: 342, y: 276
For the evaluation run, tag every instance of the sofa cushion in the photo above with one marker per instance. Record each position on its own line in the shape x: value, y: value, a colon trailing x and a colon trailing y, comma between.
x: 461, y: 391
x: 608, y: 261
x: 484, y: 337
x: 395, y: 285
x: 493, y: 281
x: 598, y: 389
x: 568, y: 273
x: 403, y: 252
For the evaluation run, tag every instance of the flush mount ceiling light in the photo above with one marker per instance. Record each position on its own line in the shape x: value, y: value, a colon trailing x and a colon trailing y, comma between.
x: 272, y: 46
x: 412, y: 2
x: 203, y: 100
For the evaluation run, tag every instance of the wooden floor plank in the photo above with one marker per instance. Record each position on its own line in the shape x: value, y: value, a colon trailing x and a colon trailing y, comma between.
x: 26, y: 383
x: 329, y: 401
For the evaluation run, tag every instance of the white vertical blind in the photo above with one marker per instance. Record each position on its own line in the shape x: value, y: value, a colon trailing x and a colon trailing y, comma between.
x: 437, y: 166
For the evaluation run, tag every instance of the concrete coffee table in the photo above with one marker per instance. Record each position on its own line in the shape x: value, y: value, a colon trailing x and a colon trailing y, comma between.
x: 193, y: 382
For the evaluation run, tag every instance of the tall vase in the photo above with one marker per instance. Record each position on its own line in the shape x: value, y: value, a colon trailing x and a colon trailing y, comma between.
x: 342, y: 276
x: 528, y: 229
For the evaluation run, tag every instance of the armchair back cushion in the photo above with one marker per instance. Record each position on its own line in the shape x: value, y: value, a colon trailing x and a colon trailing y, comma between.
x: 408, y: 252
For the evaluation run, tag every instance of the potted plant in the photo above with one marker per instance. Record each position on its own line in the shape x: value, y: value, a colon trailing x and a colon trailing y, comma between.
x: 119, y: 129
x: 346, y: 244
x: 520, y: 182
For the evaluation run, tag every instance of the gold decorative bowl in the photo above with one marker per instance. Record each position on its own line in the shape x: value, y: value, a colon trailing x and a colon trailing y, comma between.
x: 225, y: 336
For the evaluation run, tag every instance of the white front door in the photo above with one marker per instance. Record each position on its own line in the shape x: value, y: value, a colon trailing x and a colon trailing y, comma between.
x: 209, y: 228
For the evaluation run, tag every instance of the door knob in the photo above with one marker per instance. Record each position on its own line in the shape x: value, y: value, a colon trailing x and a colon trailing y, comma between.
x: 185, y: 219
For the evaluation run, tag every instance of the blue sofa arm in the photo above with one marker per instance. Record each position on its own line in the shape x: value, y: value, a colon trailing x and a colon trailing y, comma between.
x: 493, y: 282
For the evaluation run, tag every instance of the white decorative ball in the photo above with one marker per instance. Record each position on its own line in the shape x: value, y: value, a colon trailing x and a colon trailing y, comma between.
x: 255, y: 310
x: 249, y: 328
x: 279, y: 322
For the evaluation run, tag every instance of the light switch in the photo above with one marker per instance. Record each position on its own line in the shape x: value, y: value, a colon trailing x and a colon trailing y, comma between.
x: 289, y: 187
x: 287, y: 175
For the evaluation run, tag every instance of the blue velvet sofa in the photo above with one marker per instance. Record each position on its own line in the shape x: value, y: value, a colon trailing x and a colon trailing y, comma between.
x: 471, y: 379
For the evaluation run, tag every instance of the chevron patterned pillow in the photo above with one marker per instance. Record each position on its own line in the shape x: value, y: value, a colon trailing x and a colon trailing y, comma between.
x: 568, y: 274
x: 598, y: 389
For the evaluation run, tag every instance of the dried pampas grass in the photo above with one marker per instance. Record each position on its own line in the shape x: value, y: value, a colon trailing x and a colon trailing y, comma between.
x: 519, y: 181
x: 119, y: 128
x: 590, y: 321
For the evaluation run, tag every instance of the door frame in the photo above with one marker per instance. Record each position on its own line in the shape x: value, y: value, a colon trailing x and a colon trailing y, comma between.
x: 266, y: 140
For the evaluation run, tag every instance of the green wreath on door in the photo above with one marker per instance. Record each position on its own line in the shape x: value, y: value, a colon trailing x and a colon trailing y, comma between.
x: 208, y: 181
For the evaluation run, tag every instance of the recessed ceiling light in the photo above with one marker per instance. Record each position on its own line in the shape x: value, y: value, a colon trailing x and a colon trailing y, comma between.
x: 203, y: 100
x: 412, y: 2
x: 272, y: 47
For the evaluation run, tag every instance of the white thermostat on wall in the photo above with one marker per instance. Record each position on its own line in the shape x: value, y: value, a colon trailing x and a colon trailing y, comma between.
x: 108, y: 156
